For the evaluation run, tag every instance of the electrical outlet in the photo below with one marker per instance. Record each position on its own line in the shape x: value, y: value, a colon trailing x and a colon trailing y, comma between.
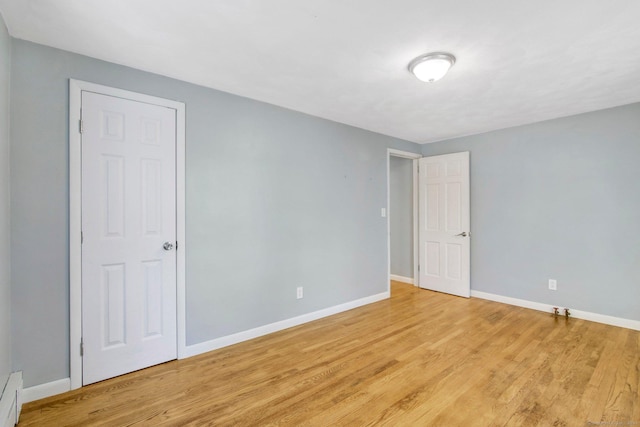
x: 553, y: 284
x: 299, y: 292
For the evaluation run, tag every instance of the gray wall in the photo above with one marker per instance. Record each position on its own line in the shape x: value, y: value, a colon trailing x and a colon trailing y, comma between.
x: 5, y: 260
x: 558, y: 199
x: 275, y: 200
x: 401, y: 215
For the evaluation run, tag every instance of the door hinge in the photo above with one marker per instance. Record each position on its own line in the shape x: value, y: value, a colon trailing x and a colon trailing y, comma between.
x: 176, y: 245
x: 80, y: 126
x: 81, y: 237
x: 81, y: 347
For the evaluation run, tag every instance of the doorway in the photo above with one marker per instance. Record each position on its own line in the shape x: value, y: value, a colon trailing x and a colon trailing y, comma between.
x: 126, y: 231
x: 402, y: 203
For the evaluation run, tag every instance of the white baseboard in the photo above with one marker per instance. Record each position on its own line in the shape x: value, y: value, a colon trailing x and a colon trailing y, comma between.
x: 402, y: 279
x: 41, y: 391
x: 578, y: 314
x: 11, y: 400
x: 62, y: 386
x: 228, y: 340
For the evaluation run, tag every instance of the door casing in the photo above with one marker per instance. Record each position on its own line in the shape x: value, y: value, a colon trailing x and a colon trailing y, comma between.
x: 75, y: 214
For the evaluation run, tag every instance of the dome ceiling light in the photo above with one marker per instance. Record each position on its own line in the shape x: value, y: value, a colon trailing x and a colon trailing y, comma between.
x: 432, y: 66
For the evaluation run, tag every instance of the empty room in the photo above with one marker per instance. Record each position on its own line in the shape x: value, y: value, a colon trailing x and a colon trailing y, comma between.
x: 410, y: 213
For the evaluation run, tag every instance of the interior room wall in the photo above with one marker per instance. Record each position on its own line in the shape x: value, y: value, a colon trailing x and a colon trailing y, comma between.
x: 401, y: 216
x: 558, y: 200
x: 275, y: 200
x: 5, y: 255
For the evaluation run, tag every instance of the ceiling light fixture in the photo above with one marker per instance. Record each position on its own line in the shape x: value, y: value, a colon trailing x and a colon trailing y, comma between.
x: 432, y: 66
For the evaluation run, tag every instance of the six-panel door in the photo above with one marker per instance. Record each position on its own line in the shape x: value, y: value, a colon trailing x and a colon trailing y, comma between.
x: 444, y: 238
x: 128, y: 213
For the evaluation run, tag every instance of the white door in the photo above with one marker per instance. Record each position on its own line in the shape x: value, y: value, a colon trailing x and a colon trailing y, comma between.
x: 128, y: 236
x: 444, y: 224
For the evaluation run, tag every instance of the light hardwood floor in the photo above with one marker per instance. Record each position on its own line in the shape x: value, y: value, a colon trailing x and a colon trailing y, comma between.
x: 420, y: 358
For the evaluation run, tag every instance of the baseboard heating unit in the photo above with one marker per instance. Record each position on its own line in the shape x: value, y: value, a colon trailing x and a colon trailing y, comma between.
x: 11, y: 400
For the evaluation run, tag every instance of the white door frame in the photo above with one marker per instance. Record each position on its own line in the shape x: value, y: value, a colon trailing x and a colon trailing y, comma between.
x: 414, y: 157
x: 75, y: 211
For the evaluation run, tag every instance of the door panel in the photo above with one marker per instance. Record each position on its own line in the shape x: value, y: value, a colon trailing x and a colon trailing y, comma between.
x: 113, y: 284
x: 128, y: 212
x: 444, y: 215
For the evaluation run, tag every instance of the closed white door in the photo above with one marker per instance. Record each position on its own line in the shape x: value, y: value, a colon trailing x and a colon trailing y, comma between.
x: 128, y: 236
x: 444, y: 224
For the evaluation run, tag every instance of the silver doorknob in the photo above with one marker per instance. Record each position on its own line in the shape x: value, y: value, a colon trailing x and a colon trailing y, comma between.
x: 167, y: 246
x: 463, y: 234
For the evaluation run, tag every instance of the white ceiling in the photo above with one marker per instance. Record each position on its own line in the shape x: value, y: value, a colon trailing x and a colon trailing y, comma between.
x: 517, y: 61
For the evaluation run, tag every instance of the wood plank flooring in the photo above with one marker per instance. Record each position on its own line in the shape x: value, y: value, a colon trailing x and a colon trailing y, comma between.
x: 420, y: 358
